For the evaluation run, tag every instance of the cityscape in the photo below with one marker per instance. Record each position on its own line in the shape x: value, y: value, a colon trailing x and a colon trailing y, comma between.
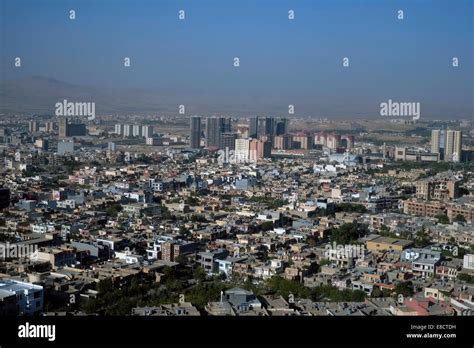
x: 170, y: 166
x: 261, y: 216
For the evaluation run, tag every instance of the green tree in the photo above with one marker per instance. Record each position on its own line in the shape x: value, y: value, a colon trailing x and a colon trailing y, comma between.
x: 105, y: 286
x: 404, y: 288
x: 325, y: 262
x: 422, y: 238
x: 182, y: 259
x: 331, y: 293
x: 285, y: 287
x: 459, y: 218
x: 376, y: 292
x: 348, y: 233
x: 202, y: 293
x: 312, y: 241
x: 192, y: 201
x: 114, y: 209
x: 199, y: 274
x: 267, y: 226
x: 442, y: 219
x: 350, y: 208
x: 466, y: 278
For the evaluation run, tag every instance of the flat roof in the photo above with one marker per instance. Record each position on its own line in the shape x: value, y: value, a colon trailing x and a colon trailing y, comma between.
x: 392, y: 241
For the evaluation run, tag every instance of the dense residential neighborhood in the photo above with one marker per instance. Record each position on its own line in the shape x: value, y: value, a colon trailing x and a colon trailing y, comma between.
x: 243, y: 173
x: 256, y: 218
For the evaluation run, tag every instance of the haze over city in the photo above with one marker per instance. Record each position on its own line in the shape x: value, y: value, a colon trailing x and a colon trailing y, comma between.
x: 167, y: 166
x: 282, y: 61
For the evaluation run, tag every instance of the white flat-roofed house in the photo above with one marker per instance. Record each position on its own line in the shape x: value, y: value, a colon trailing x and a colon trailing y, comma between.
x: 42, y: 228
x: 468, y: 261
x: 29, y: 297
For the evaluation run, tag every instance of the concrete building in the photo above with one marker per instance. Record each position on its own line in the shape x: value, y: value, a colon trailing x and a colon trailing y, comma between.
x: 127, y: 130
x: 29, y: 297
x: 302, y: 141
x: 33, y: 126
x: 468, y: 262
x: 379, y: 243
x: 253, y: 127
x: 453, y: 210
x: 57, y: 257
x: 422, y: 208
x: 119, y: 128
x: 347, y: 141
x: 147, y: 131
x: 154, y: 141
x: 241, y: 299
x: 74, y: 128
x: 63, y: 127
x: 208, y: 259
x: 137, y: 130
x: 242, y: 147
x: 42, y: 144
x: 215, y: 126
x: 452, y: 152
x: 283, y: 142
x: 171, y: 250
x: 437, y: 189
x: 195, y: 136
x: 259, y: 149
x: 415, y: 155
x: 437, y: 142
x: 281, y: 126
x: 49, y: 126
x: 265, y: 127
x: 227, y: 141
x: 447, y: 143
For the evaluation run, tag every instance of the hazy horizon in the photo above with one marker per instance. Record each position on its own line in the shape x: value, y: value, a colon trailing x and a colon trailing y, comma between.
x: 190, y: 62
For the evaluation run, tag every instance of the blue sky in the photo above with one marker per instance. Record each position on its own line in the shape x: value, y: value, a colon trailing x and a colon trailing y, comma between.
x: 297, y: 61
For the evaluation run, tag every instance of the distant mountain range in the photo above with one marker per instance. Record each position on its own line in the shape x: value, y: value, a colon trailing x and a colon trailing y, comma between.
x: 38, y: 95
